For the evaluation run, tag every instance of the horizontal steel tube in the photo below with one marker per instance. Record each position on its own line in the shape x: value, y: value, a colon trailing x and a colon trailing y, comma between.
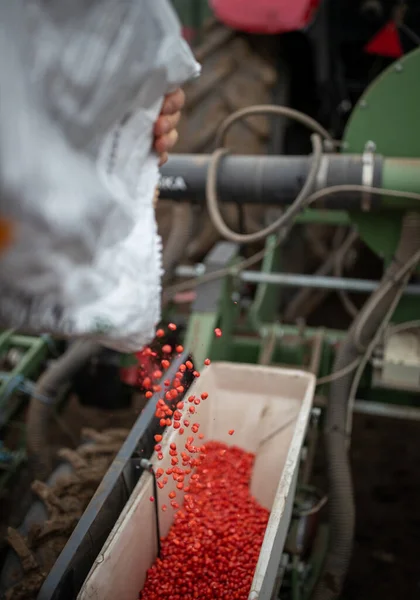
x: 304, y: 281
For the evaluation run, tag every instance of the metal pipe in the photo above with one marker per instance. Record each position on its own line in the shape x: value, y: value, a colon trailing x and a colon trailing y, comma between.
x: 400, y: 174
x: 378, y: 409
x: 267, y: 180
x: 295, y: 280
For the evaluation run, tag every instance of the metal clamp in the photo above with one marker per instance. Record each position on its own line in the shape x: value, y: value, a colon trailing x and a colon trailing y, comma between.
x: 368, y: 162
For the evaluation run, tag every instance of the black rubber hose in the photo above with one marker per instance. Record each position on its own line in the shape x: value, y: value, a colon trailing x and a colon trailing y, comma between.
x: 43, y: 402
x: 341, y: 504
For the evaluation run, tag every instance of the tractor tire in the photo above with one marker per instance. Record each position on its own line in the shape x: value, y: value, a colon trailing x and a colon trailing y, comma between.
x: 237, y: 71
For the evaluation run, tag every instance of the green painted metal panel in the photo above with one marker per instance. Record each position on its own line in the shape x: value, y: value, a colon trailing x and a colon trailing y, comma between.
x: 387, y: 114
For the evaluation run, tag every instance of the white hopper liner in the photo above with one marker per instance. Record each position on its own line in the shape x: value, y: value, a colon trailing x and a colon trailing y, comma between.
x: 269, y: 408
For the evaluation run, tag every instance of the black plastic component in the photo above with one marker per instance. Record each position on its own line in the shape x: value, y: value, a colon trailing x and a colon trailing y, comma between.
x: 268, y: 180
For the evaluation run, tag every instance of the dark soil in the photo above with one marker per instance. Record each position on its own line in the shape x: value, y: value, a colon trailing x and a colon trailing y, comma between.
x: 386, y: 466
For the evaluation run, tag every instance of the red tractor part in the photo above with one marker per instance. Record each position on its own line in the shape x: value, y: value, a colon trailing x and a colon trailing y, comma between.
x: 265, y: 16
x: 386, y: 42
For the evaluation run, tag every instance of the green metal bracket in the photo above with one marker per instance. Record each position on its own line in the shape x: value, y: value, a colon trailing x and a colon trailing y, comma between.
x: 323, y: 217
x: 35, y: 350
x: 266, y: 302
x: 214, y: 308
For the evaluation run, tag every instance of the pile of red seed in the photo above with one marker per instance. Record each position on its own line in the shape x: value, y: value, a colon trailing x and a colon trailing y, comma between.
x: 213, y: 546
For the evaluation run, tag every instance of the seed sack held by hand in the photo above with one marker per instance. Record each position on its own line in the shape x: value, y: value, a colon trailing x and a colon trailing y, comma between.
x: 82, y: 89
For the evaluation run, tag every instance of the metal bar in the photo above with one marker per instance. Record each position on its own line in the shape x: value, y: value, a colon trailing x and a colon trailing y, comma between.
x: 378, y: 409
x: 306, y: 281
x: 318, y: 282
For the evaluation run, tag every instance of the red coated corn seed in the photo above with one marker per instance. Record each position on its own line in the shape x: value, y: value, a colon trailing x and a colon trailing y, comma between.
x: 212, y: 548
x: 207, y: 361
x: 218, y: 332
x: 231, y: 431
x: 172, y: 326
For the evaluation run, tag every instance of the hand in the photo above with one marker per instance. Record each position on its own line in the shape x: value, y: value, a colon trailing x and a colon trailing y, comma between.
x: 166, y: 135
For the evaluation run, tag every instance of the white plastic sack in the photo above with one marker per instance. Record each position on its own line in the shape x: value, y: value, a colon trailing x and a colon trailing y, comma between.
x: 81, y: 86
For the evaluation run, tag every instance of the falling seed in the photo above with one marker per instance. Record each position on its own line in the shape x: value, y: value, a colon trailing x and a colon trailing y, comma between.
x: 231, y: 431
x: 189, y: 364
x: 204, y: 396
x: 151, y: 499
x: 158, y: 438
x: 179, y: 349
x: 164, y: 507
x: 207, y: 361
x: 166, y: 349
x: 172, y: 326
x: 148, y: 394
x: 160, y: 333
x: 218, y: 332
